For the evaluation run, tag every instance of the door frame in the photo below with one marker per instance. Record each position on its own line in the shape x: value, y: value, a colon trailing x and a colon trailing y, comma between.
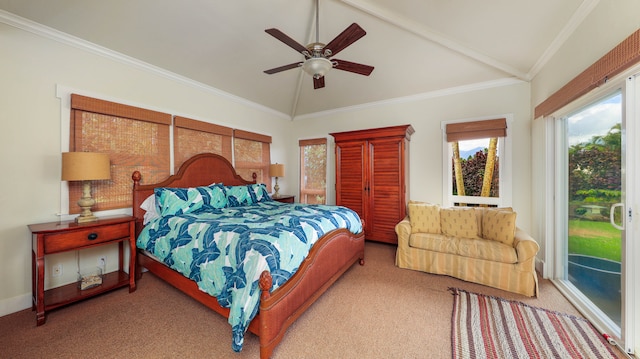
x: 629, y: 84
x: 594, y: 313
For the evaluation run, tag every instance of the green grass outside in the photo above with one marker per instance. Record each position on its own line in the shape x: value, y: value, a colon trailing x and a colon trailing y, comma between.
x: 593, y: 238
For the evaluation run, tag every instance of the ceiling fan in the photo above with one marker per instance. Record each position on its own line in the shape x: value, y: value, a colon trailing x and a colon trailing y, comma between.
x: 317, y: 55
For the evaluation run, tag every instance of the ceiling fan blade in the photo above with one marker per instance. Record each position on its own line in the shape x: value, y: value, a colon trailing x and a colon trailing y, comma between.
x: 318, y: 83
x: 287, y: 40
x: 350, y: 35
x: 353, y: 67
x: 283, y: 68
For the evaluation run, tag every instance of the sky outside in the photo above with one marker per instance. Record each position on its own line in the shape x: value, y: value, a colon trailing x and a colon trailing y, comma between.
x: 595, y: 120
x: 471, y: 144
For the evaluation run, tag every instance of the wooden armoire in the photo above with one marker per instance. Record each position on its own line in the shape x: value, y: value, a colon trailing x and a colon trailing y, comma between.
x: 372, y: 177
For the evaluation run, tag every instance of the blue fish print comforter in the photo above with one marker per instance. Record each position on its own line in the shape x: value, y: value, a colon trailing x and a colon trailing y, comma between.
x: 225, y: 250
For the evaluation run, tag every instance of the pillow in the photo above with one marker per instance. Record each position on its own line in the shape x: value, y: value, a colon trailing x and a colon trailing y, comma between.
x: 247, y: 195
x: 499, y: 225
x: 480, y: 211
x: 459, y: 222
x: 260, y: 192
x: 175, y: 201
x: 151, y: 209
x: 424, y: 218
x: 217, y: 198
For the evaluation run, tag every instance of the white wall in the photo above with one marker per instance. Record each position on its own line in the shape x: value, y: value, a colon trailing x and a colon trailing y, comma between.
x: 608, y: 24
x: 32, y: 66
x: 426, y: 115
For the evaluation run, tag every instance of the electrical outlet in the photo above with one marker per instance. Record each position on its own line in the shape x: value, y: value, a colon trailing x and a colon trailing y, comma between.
x: 56, y: 270
x: 102, y: 262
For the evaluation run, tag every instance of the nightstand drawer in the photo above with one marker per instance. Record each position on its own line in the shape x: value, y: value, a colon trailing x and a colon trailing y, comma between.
x: 86, y: 237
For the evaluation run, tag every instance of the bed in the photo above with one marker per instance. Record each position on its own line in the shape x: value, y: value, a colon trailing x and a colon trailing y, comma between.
x: 282, y: 298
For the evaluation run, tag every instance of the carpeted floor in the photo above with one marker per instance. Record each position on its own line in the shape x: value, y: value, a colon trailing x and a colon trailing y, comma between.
x: 373, y: 311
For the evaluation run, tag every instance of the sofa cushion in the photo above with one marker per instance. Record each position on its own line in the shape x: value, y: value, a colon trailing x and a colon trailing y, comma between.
x: 499, y: 225
x: 424, y: 217
x: 480, y: 212
x: 493, y: 251
x: 459, y: 222
x: 434, y: 242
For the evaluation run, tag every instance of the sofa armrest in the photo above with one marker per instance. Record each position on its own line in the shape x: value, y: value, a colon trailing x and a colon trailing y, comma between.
x: 526, y: 247
x: 403, y: 230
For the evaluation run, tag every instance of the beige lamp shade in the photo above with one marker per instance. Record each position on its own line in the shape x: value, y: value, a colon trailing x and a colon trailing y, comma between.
x: 85, y: 166
x: 276, y: 170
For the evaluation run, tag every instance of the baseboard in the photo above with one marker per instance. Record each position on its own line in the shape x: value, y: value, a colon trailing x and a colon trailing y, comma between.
x: 15, y: 304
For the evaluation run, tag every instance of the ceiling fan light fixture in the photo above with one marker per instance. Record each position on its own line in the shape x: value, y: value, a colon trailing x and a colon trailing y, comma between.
x: 317, y: 66
x: 318, y: 55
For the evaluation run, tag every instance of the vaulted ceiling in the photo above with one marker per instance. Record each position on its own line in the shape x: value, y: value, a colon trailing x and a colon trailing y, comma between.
x: 417, y: 47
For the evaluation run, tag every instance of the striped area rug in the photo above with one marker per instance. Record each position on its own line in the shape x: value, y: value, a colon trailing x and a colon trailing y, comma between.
x: 490, y: 327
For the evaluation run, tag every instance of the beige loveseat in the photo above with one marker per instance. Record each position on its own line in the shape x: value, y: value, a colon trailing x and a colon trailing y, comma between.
x: 478, y: 245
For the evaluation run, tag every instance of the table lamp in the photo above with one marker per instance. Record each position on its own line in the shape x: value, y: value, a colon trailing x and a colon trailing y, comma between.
x: 85, y: 167
x: 276, y: 170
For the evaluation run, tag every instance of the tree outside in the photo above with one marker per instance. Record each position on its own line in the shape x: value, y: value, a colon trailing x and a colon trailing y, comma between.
x: 313, y: 186
x: 594, y: 186
x: 473, y: 174
x: 595, y: 179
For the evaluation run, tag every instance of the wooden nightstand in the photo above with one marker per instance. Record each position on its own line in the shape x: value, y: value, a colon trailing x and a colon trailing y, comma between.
x: 284, y: 198
x: 63, y: 236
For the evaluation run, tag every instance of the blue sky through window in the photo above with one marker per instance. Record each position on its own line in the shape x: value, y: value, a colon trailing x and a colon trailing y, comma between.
x: 594, y: 120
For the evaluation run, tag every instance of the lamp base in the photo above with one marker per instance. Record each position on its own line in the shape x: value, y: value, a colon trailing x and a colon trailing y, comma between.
x: 276, y: 188
x: 86, y: 219
x: 86, y: 202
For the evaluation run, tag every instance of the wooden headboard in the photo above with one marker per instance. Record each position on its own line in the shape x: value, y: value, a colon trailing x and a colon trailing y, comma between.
x: 200, y: 170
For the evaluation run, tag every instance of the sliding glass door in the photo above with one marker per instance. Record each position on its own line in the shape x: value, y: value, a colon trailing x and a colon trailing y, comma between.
x: 594, y: 175
x: 594, y: 206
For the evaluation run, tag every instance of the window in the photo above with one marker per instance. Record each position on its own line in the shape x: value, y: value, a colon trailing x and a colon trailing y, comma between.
x: 191, y: 137
x: 140, y: 139
x: 252, y: 155
x: 134, y: 138
x: 313, y: 171
x: 476, y: 163
x: 581, y: 191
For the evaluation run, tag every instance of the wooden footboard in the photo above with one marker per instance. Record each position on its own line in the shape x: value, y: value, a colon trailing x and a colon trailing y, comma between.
x: 328, y: 259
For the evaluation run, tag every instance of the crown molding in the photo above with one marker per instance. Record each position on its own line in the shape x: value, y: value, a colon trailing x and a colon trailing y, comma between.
x: 415, y: 98
x: 67, y: 39
x: 585, y: 8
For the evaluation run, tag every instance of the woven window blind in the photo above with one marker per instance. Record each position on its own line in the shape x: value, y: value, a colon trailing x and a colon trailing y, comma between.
x: 252, y: 154
x: 463, y: 131
x: 191, y: 137
x: 623, y: 56
x: 313, y: 171
x: 134, y: 138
